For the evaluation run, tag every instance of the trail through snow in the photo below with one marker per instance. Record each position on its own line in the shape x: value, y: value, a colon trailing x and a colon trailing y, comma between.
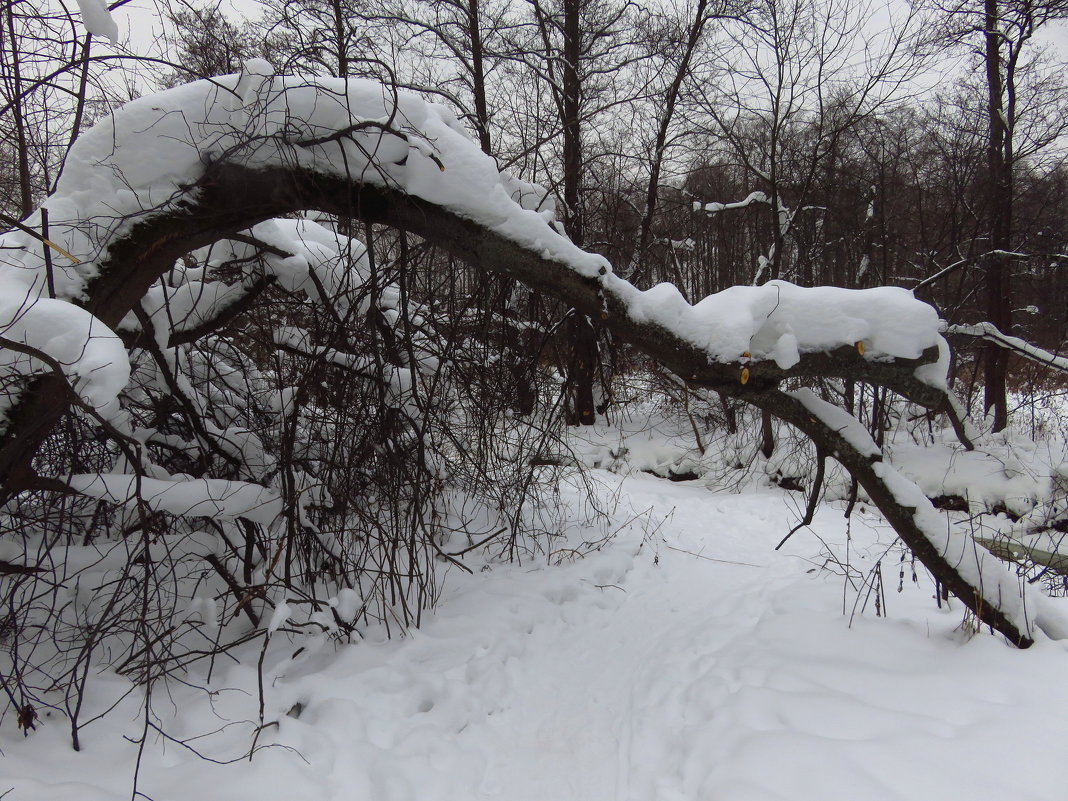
x: 684, y: 661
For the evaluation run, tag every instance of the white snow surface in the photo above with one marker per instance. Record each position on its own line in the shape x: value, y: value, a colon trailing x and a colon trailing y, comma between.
x: 683, y: 661
x: 1017, y: 475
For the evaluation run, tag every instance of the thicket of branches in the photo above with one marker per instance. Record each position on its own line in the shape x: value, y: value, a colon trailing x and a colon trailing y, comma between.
x: 382, y: 427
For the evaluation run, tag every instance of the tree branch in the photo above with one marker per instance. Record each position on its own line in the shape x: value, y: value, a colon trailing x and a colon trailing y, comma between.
x: 231, y: 198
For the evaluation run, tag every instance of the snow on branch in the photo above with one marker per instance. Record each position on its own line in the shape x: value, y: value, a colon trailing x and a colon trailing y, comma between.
x: 996, y: 595
x: 159, y: 154
x: 98, y: 20
x: 990, y: 333
x: 203, y: 497
x: 88, y: 352
x: 715, y: 207
x: 201, y: 163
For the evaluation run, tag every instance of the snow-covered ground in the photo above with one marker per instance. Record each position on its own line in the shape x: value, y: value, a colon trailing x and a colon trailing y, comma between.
x: 683, y: 660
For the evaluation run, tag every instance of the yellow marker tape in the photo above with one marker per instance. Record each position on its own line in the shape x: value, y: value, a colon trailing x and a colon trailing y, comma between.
x: 56, y: 247
x: 48, y: 242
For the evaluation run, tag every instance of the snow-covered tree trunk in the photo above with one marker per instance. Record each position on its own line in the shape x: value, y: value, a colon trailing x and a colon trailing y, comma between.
x: 294, y: 146
x: 955, y: 560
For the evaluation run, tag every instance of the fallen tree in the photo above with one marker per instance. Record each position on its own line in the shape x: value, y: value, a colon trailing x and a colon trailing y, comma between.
x: 208, y: 161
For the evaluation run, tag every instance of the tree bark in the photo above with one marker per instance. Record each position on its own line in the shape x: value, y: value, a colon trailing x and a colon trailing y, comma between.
x: 478, y: 76
x: 25, y: 180
x: 583, y: 334
x: 999, y: 178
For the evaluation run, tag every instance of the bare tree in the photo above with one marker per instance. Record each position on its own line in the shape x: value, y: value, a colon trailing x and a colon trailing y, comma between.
x: 1005, y: 28
x: 207, y: 42
x: 323, y: 37
x: 676, y: 40
x: 578, y: 54
x: 796, y: 87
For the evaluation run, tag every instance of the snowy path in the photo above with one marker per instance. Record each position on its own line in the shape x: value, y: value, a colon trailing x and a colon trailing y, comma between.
x: 639, y: 673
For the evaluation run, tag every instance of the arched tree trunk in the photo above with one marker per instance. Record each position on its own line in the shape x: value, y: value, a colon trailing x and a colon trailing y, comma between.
x: 230, y: 198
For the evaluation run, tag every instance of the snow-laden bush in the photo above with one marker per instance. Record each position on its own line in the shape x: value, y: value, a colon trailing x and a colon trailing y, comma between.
x: 306, y: 467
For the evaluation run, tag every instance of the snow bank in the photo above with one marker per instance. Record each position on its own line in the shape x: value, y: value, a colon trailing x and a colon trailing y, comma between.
x: 1016, y: 476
